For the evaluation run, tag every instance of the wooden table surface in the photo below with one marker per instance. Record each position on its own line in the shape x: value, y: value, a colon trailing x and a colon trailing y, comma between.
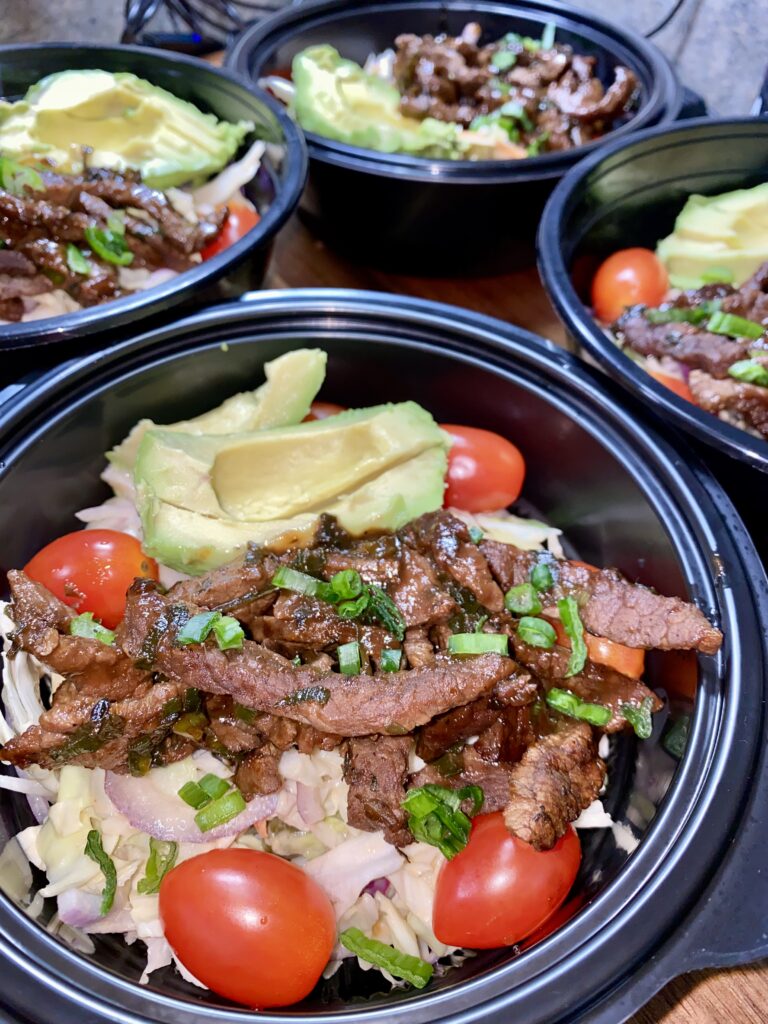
x: 738, y: 996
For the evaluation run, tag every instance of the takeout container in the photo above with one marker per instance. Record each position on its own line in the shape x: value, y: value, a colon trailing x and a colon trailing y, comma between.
x: 693, y: 892
x: 630, y: 194
x: 441, y: 216
x: 275, y: 191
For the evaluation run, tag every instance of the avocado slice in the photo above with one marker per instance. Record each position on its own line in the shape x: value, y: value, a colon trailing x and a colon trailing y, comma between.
x: 293, y: 381
x: 337, y: 99
x: 124, y: 121
x: 194, y: 543
x: 727, y: 232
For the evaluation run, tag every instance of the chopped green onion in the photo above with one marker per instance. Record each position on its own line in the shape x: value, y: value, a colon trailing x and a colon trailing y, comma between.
x: 383, y: 608
x: 517, y: 112
x: 220, y: 811
x: 162, y: 857
x: 353, y: 609
x: 548, y: 36
x: 435, y: 816
x: 676, y: 737
x: 95, y: 850
x: 399, y: 965
x: 296, y: 661
x: 390, y: 660
x: 541, y: 576
x: 639, y: 717
x: 85, y: 625
x: 475, y: 534
x: 717, y: 275
x: 346, y: 584
x: 76, y: 261
x: 349, y: 658
x: 191, y: 724
x: 568, y: 703
x: 109, y: 245
x: 523, y: 600
x: 228, y: 632
x: 750, y: 371
x: 478, y: 643
x: 675, y: 315
x: 571, y: 620
x: 503, y: 60
x: 16, y: 177
x: 536, y: 145
x: 480, y: 623
x: 299, y: 582
x: 116, y: 222
x: 196, y: 629
x: 536, y: 632
x: 734, y: 326
x: 193, y: 795
x: 214, y: 786
x: 245, y: 714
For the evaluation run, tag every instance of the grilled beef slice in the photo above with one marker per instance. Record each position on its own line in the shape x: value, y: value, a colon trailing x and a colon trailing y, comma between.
x: 684, y: 342
x: 258, y: 774
x: 555, y: 780
x: 625, y: 612
x: 747, y: 402
x: 376, y: 768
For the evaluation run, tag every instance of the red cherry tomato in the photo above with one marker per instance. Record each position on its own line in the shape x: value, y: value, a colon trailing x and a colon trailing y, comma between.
x: 249, y: 925
x: 90, y: 570
x: 499, y: 889
x: 675, y: 384
x: 485, y: 471
x: 322, y: 410
x: 239, y: 222
x: 626, y: 278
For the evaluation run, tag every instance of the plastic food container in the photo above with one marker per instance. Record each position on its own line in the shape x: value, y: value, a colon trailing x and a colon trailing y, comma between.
x: 622, y: 495
x: 275, y: 191
x: 630, y: 194
x: 442, y: 216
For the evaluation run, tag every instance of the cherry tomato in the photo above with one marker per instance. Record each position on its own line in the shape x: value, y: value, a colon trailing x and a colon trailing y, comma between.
x: 90, y: 570
x: 626, y: 278
x: 629, y: 661
x: 322, y: 410
x: 680, y: 387
x: 485, y: 471
x: 250, y: 926
x: 239, y: 222
x: 499, y: 889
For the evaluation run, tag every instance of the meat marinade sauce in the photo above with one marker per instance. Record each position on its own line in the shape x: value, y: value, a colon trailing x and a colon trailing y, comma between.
x: 119, y: 703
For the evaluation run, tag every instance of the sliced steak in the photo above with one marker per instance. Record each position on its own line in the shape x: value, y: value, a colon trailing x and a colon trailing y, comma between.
x: 612, y: 607
x: 584, y: 100
x: 418, y: 648
x: 747, y: 403
x: 417, y: 592
x: 258, y: 773
x: 329, y: 701
x: 470, y: 769
x: 376, y: 768
x: 751, y: 300
x: 684, y: 342
x: 556, y: 779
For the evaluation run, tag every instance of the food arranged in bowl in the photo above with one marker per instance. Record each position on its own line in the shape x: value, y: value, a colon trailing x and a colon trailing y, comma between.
x: 110, y: 185
x: 447, y: 97
x: 695, y: 313
x: 274, y: 662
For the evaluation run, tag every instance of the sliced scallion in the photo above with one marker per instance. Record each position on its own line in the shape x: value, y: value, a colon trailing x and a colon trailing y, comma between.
x: 213, y: 786
x: 503, y: 60
x: 541, y: 576
x: 750, y: 371
x: 389, y: 661
x: 475, y: 534
x: 76, y: 261
x: 193, y: 795
x: 85, y: 625
x: 568, y: 703
x: 734, y: 326
x: 536, y: 632
x: 228, y: 633
x: 220, y: 811
x: 717, y: 275
x: 478, y: 643
x: 435, y: 815
x: 639, y: 717
x: 15, y: 177
x: 299, y: 582
x: 568, y: 608
x: 196, y: 629
x: 399, y: 965
x: 523, y: 600
x: 548, y: 36
x: 349, y: 658
x: 109, y: 245
x: 95, y: 850
x: 347, y: 584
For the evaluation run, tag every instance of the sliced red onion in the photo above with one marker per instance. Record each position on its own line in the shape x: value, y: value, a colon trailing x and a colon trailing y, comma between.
x: 78, y: 909
x: 40, y: 808
x: 166, y: 817
x: 377, y: 885
x: 308, y: 804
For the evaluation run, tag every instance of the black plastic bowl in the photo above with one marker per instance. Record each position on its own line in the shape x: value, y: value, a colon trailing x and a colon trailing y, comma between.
x: 275, y: 191
x: 630, y: 194
x: 623, y: 497
x: 442, y: 215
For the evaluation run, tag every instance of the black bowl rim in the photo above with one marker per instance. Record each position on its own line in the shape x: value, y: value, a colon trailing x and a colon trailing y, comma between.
x: 692, y: 826
x: 142, y: 304
x: 665, y: 100
x: 580, y: 323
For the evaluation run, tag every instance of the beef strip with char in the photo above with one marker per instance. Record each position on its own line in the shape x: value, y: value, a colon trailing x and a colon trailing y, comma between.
x: 329, y: 701
x: 747, y: 402
x: 685, y: 342
x: 555, y: 780
x: 751, y: 299
x: 627, y: 613
x: 258, y: 774
x: 376, y: 768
